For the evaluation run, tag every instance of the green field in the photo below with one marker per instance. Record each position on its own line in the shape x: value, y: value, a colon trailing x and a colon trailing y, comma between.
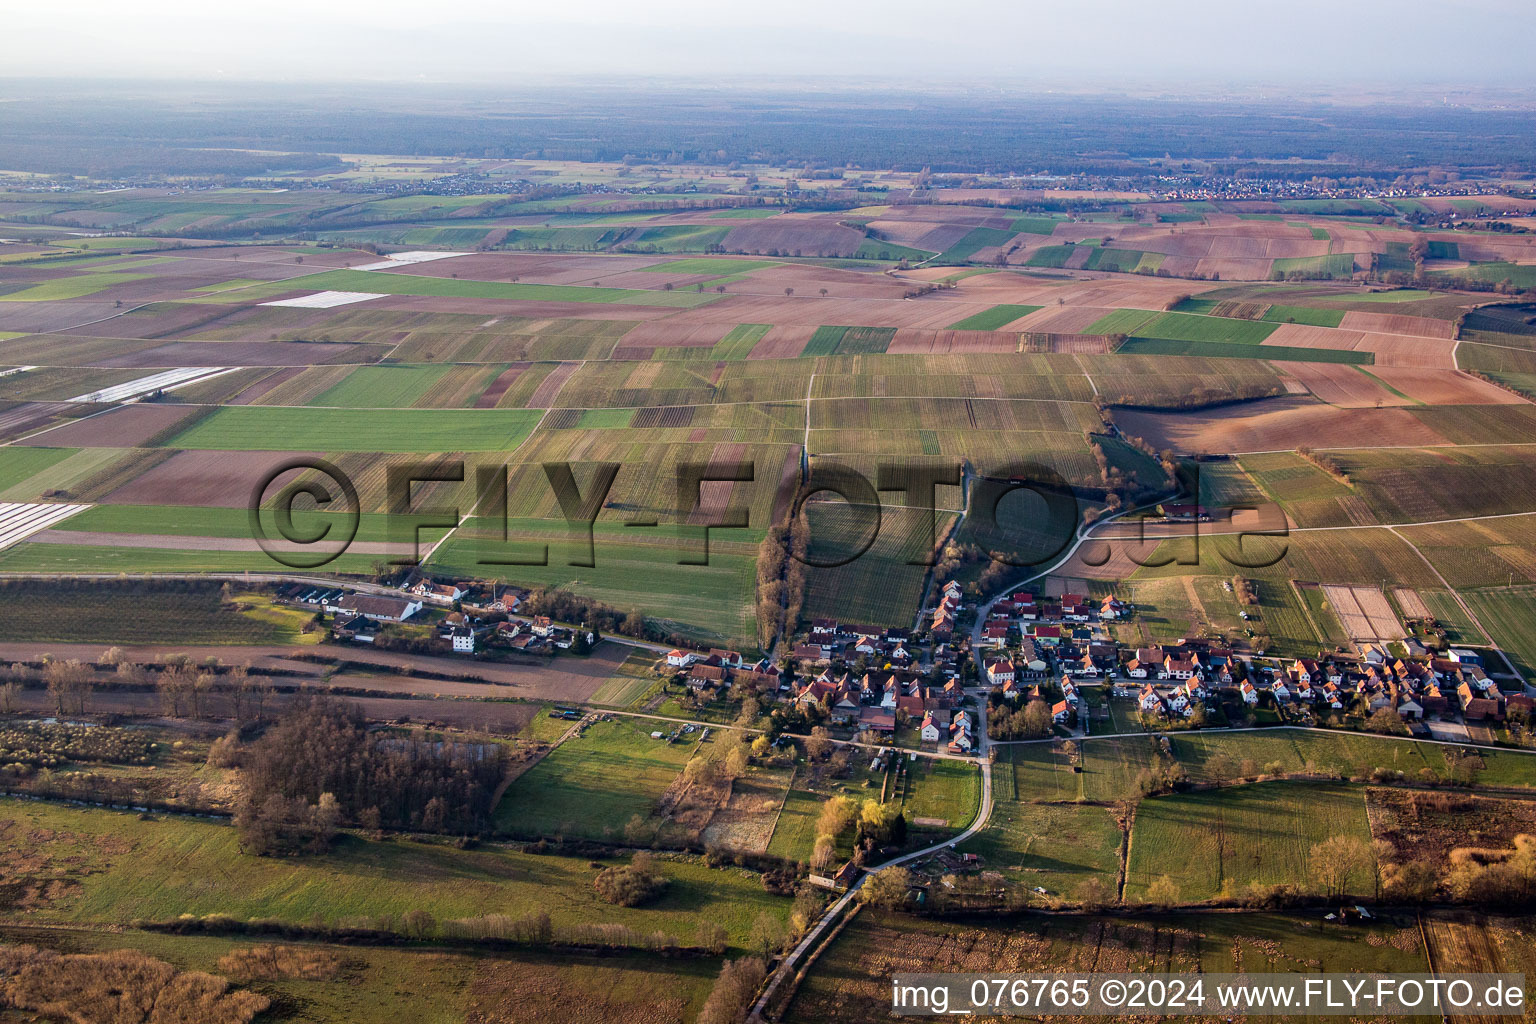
x: 18, y: 464
x: 794, y: 835
x: 1217, y: 843
x: 832, y: 340
x: 590, y: 786
x: 126, y: 867
x: 1193, y: 327
x: 73, y: 286
x: 275, y: 428
x: 1054, y: 846
x: 1333, y: 266
x: 445, y: 987
x: 1121, y: 321
x: 974, y: 240
x: 1034, y: 225
x: 1110, y: 767
x: 1051, y: 256
x: 1235, y: 350
x: 381, y: 387
x: 633, y: 570
x: 628, y: 683
x: 993, y: 319
x: 1510, y: 615
x: 942, y: 789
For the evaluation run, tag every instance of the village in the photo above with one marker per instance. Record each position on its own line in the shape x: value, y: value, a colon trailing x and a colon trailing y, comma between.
x: 1027, y: 666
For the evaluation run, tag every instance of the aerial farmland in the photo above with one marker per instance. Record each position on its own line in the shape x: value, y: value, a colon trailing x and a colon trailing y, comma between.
x: 650, y: 552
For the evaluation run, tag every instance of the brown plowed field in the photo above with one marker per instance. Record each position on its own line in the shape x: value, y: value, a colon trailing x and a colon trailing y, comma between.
x: 544, y: 395
x: 1388, y: 349
x: 664, y: 334
x: 808, y: 235
x: 252, y: 353
x: 266, y: 384
x: 1391, y: 323
x: 222, y: 479
x: 1062, y: 319
x: 127, y: 427
x: 782, y: 342
x: 1235, y: 269
x: 911, y: 341
x: 1277, y: 424
x: 1343, y: 385
x: 498, y: 387
x: 1444, y: 387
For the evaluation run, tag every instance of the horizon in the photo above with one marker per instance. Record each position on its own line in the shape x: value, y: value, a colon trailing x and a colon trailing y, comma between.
x: 1112, y: 44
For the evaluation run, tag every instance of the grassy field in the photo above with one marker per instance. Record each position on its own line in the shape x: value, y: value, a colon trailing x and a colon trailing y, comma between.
x: 1510, y: 615
x: 1054, y: 846
x: 263, y: 428
x: 445, y: 987
x: 1042, y: 772
x: 382, y: 387
x: 1332, y: 266
x: 942, y: 789
x: 73, y: 286
x: 1192, y: 327
x: 634, y: 569
x: 993, y: 319
x: 628, y: 684
x: 18, y: 464
x: 590, y: 786
x: 1121, y: 321
x: 794, y: 836
x: 1218, y: 842
x: 1238, y: 350
x: 127, y: 867
x: 832, y: 340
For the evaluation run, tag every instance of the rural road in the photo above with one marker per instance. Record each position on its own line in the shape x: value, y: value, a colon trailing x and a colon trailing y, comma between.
x: 793, y: 957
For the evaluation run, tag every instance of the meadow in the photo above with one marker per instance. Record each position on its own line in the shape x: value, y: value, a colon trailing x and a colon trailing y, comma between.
x: 590, y: 786
x: 1217, y: 843
x: 445, y: 987
x: 633, y: 569
x: 268, y: 428
x: 1055, y: 846
x: 159, y: 868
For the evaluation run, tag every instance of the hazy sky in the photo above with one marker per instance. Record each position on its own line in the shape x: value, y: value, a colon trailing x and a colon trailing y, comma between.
x: 1073, y: 43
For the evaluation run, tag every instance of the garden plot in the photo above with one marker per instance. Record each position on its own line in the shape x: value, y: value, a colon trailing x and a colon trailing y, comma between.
x: 20, y: 521
x: 168, y: 380
x: 1365, y: 613
x: 324, y: 300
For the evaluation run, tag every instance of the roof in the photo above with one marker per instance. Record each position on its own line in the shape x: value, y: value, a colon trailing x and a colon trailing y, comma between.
x: 370, y: 604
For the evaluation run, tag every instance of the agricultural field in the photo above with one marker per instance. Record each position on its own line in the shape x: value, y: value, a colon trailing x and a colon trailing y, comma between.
x: 263, y: 428
x: 349, y: 983
x: 590, y: 786
x: 1054, y: 846
x: 160, y: 868
x: 628, y: 684
x: 1218, y: 843
x: 850, y: 982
